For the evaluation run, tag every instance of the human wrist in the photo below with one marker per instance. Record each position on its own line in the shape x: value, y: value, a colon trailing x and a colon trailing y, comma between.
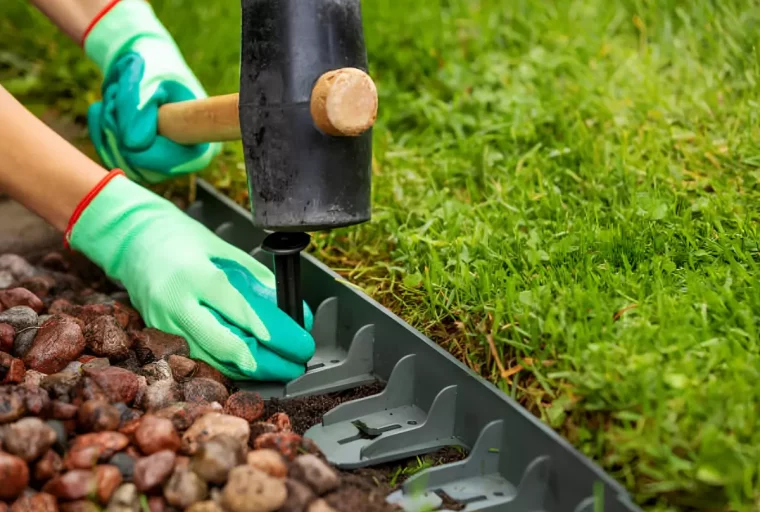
x: 85, y: 202
x: 117, y: 26
x: 110, y: 217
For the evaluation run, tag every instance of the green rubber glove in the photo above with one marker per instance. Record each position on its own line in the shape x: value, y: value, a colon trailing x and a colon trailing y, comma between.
x: 185, y: 280
x: 143, y: 69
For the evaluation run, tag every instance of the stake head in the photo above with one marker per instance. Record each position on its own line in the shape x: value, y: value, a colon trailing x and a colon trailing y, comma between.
x: 285, y: 244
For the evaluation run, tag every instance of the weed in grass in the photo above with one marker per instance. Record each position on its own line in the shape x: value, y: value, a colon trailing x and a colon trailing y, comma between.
x: 409, y: 470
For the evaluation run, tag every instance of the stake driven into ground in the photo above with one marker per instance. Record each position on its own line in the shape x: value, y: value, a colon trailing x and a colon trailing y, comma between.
x: 565, y: 197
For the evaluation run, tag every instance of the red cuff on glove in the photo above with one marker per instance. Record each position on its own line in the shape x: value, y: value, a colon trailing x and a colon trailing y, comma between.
x: 97, y: 18
x: 86, y: 201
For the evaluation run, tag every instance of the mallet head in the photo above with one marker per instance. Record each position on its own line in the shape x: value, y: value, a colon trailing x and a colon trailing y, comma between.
x: 307, y: 107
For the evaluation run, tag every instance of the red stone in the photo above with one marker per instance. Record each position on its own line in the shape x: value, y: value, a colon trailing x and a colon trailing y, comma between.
x: 183, y: 414
x: 204, y: 371
x: 28, y: 438
x: 128, y: 318
x: 12, y: 370
x: 72, y: 485
x: 107, y: 478
x: 98, y: 416
x: 260, y: 428
x: 82, y: 457
x: 108, y: 442
x: 63, y: 411
x: 151, y: 344
x: 156, y: 434
x: 38, y: 502
x: 58, y: 342
x: 91, y: 312
x: 39, y: 285
x: 106, y: 338
x: 153, y: 470
x: 60, y: 306
x: 245, y: 404
x: 20, y: 297
x: 183, y: 368
x: 205, y: 390
x: 87, y: 449
x: 49, y: 466
x: 14, y: 475
x: 281, y: 421
x: 286, y: 443
x: 36, y: 400
x: 156, y: 504
x: 129, y: 429
x: 119, y: 385
x: 7, y: 335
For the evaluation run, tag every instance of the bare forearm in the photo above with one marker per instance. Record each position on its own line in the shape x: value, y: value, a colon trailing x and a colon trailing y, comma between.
x: 71, y: 16
x: 38, y: 168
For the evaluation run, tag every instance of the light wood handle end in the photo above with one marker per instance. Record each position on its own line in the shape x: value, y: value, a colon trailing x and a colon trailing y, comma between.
x: 344, y: 102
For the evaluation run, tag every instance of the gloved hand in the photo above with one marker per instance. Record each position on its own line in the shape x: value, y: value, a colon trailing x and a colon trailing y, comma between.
x: 143, y: 69
x: 185, y: 280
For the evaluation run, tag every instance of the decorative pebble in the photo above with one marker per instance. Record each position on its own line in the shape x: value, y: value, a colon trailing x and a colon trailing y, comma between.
x: 153, y: 470
x: 213, y: 424
x: 155, y: 434
x: 250, y: 490
x: 214, y: 458
x: 268, y: 461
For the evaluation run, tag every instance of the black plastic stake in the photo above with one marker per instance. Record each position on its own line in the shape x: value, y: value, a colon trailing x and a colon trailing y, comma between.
x: 286, y: 248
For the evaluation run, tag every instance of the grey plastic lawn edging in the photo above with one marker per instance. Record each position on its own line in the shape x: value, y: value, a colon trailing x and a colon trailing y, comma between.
x: 515, y: 462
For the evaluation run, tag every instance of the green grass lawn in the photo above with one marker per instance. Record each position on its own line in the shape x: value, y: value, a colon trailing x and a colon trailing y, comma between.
x: 565, y: 197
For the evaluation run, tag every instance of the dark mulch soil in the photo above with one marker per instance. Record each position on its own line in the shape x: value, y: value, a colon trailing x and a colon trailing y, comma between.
x: 308, y: 411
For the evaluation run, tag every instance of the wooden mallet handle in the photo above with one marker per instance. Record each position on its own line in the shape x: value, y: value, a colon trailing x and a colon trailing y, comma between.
x: 214, y: 119
x: 343, y: 104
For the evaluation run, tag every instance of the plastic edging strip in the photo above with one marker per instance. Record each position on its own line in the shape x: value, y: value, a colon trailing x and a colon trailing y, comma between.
x: 515, y: 463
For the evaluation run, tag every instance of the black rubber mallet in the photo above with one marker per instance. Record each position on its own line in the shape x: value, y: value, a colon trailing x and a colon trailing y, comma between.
x: 304, y: 113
